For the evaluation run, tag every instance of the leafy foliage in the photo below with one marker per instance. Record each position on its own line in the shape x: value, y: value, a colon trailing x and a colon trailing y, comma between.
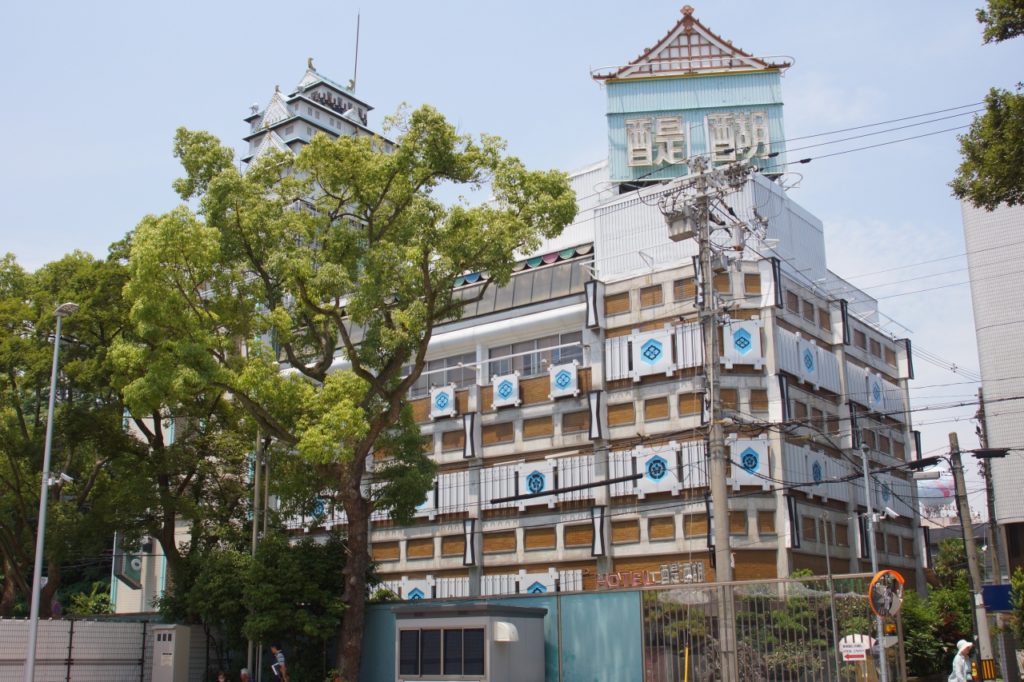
x: 1003, y: 19
x: 992, y: 168
x: 345, y: 251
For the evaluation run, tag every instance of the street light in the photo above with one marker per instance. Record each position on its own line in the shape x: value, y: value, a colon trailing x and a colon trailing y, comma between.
x: 883, y: 667
x: 870, y: 517
x: 37, y: 572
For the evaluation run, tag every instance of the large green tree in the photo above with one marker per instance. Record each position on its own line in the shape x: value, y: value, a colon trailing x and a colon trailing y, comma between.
x: 89, y: 443
x: 338, y: 264
x: 992, y: 168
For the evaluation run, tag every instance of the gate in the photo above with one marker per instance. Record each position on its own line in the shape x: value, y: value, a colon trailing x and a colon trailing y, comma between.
x: 786, y: 630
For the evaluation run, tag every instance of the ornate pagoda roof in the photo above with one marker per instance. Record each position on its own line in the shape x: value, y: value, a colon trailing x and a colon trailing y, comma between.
x: 690, y: 48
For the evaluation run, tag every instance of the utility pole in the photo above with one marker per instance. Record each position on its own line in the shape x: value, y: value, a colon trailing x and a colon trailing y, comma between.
x: 964, y: 511
x: 990, y: 492
x: 692, y: 220
x: 883, y: 663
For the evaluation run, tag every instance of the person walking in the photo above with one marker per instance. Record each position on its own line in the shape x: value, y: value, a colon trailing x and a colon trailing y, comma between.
x: 962, y: 662
x: 243, y: 676
x: 279, y: 666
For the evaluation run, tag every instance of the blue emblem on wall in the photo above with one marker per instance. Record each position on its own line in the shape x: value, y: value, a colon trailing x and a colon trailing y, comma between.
x: 319, y: 507
x: 415, y: 593
x: 441, y: 400
x: 750, y: 460
x: 657, y: 467
x: 537, y: 588
x: 741, y: 341
x: 808, y: 360
x: 651, y: 351
x: 505, y: 389
x: 535, y: 482
x: 876, y: 392
x: 816, y: 472
x: 886, y: 492
x: 563, y: 379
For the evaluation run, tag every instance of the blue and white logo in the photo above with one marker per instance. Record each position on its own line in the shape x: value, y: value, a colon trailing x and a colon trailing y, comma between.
x: 750, y: 460
x: 505, y: 389
x: 415, y: 593
x: 535, y: 482
x: 876, y: 392
x: 652, y: 351
x: 657, y: 467
x: 319, y: 507
x: 886, y: 492
x: 741, y: 341
x: 536, y: 588
x: 808, y: 360
x: 563, y: 379
x: 816, y: 473
x: 442, y: 400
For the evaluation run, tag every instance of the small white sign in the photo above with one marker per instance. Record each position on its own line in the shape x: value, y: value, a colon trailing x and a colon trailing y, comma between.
x: 853, y: 651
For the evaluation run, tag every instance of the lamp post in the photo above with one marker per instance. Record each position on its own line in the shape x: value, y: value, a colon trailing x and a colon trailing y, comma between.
x: 883, y: 668
x: 37, y: 572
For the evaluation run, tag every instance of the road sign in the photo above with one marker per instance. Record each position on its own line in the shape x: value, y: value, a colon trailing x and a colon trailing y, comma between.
x: 855, y: 647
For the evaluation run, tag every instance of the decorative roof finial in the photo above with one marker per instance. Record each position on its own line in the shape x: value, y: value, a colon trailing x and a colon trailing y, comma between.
x: 687, y: 10
x: 277, y: 88
x: 309, y: 64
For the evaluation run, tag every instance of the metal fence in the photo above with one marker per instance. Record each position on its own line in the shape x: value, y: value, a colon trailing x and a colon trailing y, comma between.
x: 786, y: 630
x: 76, y: 650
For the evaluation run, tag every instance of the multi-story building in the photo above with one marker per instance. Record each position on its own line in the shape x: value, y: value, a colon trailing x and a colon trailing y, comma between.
x: 566, y: 410
x: 993, y: 251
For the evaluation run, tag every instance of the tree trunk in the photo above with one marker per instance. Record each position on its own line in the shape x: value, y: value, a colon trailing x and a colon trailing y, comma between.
x: 49, y: 590
x: 9, y: 593
x: 357, y: 565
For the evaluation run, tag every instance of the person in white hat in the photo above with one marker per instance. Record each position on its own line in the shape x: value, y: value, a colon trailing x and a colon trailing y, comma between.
x: 962, y: 662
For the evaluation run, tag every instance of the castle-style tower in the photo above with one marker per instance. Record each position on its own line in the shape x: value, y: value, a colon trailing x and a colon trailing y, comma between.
x: 317, y: 105
x: 691, y: 93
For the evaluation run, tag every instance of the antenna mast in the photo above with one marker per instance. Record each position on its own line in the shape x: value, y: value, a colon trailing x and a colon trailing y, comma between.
x: 355, y: 68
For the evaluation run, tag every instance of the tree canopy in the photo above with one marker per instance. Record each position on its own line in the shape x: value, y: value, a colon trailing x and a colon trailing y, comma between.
x: 991, y: 171
x: 1003, y: 19
x: 308, y: 288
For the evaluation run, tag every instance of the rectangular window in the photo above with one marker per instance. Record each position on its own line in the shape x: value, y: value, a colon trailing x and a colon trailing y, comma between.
x: 453, y: 652
x: 876, y: 348
x: 457, y: 369
x: 890, y: 357
x: 860, y: 339
x: 409, y: 652
x: 752, y: 284
x: 809, y: 311
x: 473, y: 652
x: 651, y: 296
x: 423, y: 652
x: 684, y: 290
x: 616, y: 303
x: 289, y: 130
x: 531, y: 358
x: 824, y: 319
x: 792, y: 302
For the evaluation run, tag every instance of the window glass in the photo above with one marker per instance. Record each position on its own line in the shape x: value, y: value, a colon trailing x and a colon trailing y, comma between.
x: 453, y: 652
x: 409, y: 652
x: 473, y: 652
x: 430, y: 656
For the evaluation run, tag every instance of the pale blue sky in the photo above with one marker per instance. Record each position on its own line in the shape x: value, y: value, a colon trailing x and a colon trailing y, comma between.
x: 94, y: 91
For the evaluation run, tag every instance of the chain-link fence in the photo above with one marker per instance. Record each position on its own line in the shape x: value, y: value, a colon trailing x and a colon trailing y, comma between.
x: 76, y: 650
